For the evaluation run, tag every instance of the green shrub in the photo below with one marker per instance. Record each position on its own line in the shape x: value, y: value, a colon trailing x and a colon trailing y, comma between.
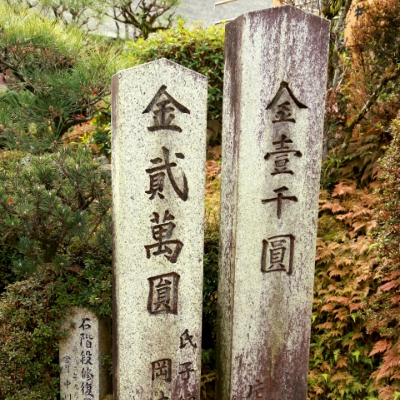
x: 196, y: 48
x: 56, y: 75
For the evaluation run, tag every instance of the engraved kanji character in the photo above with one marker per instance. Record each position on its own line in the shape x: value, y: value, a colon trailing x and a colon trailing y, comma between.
x: 164, y: 115
x: 87, y: 339
x: 67, y: 397
x: 157, y: 177
x: 282, y: 160
x: 185, y: 373
x: 185, y: 339
x: 67, y: 359
x: 277, y: 254
x: 86, y: 357
x: 282, y: 102
x: 86, y: 389
x: 284, y: 113
x: 67, y: 383
x: 256, y: 391
x: 280, y: 197
x: 65, y: 368
x: 85, y: 325
x: 281, y: 144
x: 163, y: 296
x: 170, y: 248
x: 358, y: 12
x: 163, y: 397
x: 161, y: 369
x: 87, y: 373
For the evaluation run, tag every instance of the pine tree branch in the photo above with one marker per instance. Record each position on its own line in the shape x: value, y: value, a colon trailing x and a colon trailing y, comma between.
x: 18, y: 75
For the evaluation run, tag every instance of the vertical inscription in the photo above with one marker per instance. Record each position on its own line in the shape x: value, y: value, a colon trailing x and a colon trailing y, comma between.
x: 277, y: 251
x: 78, y: 380
x: 158, y: 178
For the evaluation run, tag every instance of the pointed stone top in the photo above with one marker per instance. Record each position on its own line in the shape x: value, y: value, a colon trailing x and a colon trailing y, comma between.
x: 164, y: 62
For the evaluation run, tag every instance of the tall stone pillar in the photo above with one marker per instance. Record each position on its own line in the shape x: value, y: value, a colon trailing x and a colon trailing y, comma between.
x: 274, y: 94
x: 158, y: 181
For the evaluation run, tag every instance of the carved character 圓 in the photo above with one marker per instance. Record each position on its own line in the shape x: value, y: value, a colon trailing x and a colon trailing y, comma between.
x: 277, y: 254
x: 161, y: 369
x: 157, y: 177
x: 163, y: 294
x: 164, y: 114
x: 162, y: 235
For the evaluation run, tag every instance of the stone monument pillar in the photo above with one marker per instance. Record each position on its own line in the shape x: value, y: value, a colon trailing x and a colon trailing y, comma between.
x: 274, y: 94
x: 158, y: 180
x: 88, y: 340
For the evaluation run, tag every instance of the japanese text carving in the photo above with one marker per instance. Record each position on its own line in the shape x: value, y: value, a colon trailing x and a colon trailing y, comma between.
x: 164, y: 114
x: 281, y: 105
x: 277, y: 254
x: 256, y: 391
x: 157, y: 176
x: 279, y: 199
x: 170, y: 248
x: 163, y: 295
x: 186, y: 339
x: 185, y: 370
x: 161, y: 369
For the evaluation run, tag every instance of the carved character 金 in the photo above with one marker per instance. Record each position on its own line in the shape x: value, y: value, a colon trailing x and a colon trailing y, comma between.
x: 162, y: 233
x: 281, y: 104
x: 84, y: 325
x: 185, y: 339
x: 163, y: 294
x: 186, y: 370
x: 277, y: 254
x: 161, y: 369
x: 157, y: 177
x: 164, y: 115
x: 280, y: 197
x: 256, y: 391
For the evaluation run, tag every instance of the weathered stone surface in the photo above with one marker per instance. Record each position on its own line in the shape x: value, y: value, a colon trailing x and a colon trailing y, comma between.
x: 274, y: 93
x: 158, y: 170
x: 88, y: 341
